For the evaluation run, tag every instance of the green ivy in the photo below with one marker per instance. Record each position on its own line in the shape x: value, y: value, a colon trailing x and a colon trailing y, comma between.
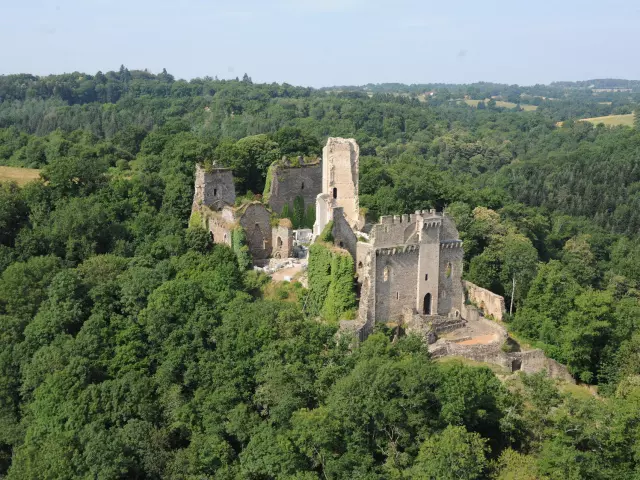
x: 195, y: 221
x: 240, y: 248
x: 327, y: 233
x: 266, y: 194
x: 331, y: 291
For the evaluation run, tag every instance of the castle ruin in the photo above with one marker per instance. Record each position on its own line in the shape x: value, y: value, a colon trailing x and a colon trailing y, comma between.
x: 409, y: 272
x: 214, y: 201
x: 408, y: 268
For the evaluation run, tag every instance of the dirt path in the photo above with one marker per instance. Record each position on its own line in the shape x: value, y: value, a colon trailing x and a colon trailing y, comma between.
x: 290, y: 272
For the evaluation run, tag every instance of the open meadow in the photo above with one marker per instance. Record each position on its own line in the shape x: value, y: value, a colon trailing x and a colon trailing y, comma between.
x: 19, y: 175
x: 612, y: 120
x: 501, y: 104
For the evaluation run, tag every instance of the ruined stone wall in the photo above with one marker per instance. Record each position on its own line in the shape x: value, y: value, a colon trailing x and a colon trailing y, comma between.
x: 287, y: 183
x: 395, y: 279
x: 213, y: 189
x: 323, y: 213
x: 534, y: 361
x: 340, y: 165
x: 218, y: 224
x: 489, y: 302
x: 256, y: 221
x: 282, y: 240
x: 343, y: 235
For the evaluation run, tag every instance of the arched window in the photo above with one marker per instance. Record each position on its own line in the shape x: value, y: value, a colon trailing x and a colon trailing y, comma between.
x: 448, y: 270
x: 359, y: 265
x: 335, y: 192
x: 279, y: 242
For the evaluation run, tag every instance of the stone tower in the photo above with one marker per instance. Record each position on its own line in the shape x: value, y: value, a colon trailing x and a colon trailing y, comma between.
x: 214, y: 188
x: 340, y: 159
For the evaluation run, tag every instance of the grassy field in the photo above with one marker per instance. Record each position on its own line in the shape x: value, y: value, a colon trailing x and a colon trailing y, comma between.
x: 19, y: 175
x: 501, y: 104
x: 612, y: 120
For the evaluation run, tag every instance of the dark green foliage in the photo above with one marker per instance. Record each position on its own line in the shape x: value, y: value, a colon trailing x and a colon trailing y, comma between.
x: 300, y: 218
x: 298, y: 213
x: 198, y: 239
x: 310, y: 216
x: 130, y: 347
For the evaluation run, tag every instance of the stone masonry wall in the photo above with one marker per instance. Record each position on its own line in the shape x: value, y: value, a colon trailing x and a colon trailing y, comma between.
x: 213, y: 189
x: 395, y: 279
x: 282, y: 241
x: 489, y: 302
x: 343, y: 235
x: 340, y: 166
x: 290, y: 182
x: 256, y: 221
x: 451, y: 292
x: 217, y: 225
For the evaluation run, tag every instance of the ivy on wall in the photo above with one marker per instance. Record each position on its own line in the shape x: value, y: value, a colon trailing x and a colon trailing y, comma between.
x: 331, y: 292
x: 266, y: 193
x: 195, y: 221
x: 240, y: 248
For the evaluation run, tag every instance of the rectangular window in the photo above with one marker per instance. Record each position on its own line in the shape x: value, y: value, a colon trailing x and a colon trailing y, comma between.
x: 426, y: 277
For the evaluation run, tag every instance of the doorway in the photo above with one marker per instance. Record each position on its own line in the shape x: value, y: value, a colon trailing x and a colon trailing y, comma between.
x: 426, y: 307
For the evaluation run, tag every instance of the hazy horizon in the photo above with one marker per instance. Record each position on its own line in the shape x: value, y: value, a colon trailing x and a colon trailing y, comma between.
x: 323, y: 43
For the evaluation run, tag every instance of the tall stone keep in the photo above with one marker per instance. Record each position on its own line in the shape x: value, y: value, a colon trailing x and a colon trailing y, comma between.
x: 340, y: 159
x: 214, y: 188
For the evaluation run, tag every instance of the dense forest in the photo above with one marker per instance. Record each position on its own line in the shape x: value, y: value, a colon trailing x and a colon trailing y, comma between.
x: 132, y: 347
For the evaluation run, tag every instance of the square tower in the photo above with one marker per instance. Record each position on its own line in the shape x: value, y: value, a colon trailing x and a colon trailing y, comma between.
x: 340, y: 176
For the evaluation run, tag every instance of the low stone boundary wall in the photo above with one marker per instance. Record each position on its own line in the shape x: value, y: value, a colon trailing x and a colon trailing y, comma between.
x: 531, y: 361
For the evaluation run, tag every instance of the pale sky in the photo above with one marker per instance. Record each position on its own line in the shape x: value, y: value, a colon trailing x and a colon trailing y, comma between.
x: 327, y: 42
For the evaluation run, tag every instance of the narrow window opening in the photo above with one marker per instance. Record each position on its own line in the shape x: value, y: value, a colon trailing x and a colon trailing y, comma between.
x: 335, y: 192
x: 426, y: 277
x: 302, y: 186
x: 341, y: 244
x: 215, y: 192
x: 397, y: 295
x: 385, y: 274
